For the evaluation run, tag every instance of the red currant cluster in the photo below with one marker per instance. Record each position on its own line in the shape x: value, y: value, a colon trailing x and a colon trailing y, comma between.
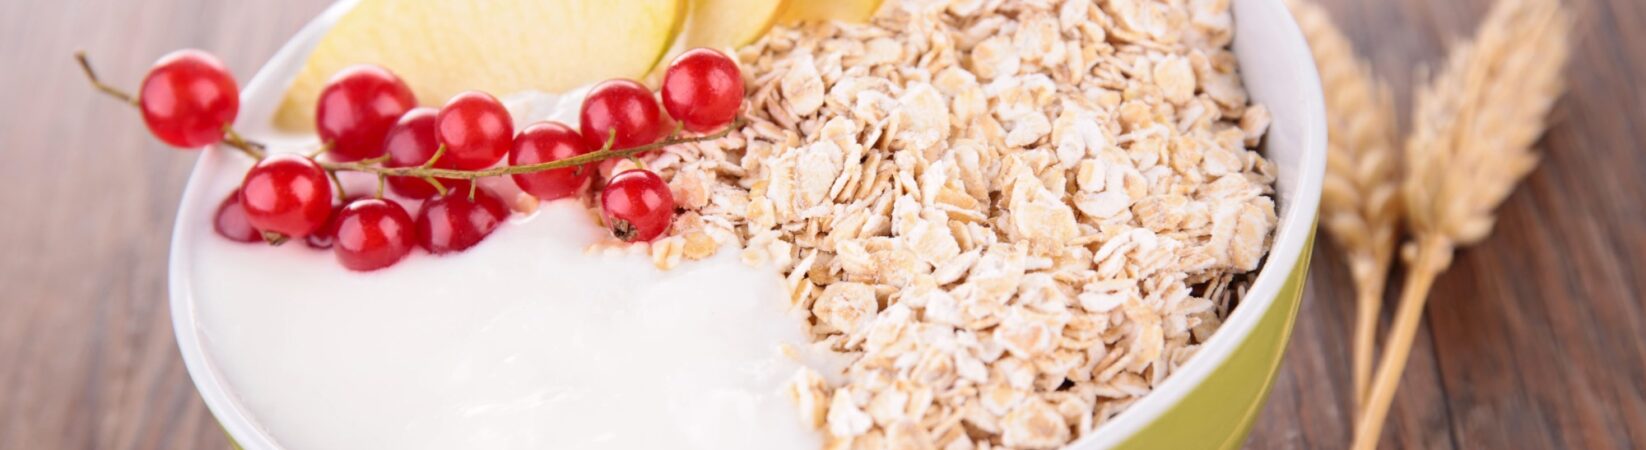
x: 368, y: 121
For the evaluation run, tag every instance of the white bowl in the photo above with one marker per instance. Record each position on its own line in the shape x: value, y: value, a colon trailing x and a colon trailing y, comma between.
x: 1210, y: 402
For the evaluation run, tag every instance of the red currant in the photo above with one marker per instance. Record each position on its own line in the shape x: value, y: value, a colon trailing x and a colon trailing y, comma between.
x: 637, y: 205
x: 476, y: 130
x: 356, y: 109
x: 410, y: 143
x: 322, y: 238
x: 626, y: 108
x: 286, y: 194
x: 231, y: 221
x: 373, y: 234
x: 544, y: 142
x: 454, y: 223
x: 703, y: 89
x: 188, y: 99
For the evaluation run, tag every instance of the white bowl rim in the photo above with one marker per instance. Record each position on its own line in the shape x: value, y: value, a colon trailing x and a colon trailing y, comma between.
x: 1296, y: 227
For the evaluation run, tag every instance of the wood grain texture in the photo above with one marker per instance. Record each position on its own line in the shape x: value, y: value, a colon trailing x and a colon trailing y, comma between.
x: 1535, y: 338
x: 87, y: 358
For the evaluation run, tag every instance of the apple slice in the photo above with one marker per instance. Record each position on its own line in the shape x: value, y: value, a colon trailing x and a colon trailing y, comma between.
x: 797, y: 11
x: 443, y: 47
x: 721, y: 24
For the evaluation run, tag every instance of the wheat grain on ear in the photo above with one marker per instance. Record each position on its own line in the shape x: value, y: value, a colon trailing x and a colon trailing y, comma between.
x: 1360, y: 202
x: 1471, y: 143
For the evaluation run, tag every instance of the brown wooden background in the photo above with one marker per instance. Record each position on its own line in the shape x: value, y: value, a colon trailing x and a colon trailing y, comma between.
x: 1535, y: 339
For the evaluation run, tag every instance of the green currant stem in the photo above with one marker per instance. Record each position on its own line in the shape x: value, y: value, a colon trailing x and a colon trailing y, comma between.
x: 587, y: 158
x: 326, y: 147
x: 85, y: 66
x: 252, y: 150
x: 337, y: 184
x: 440, y: 188
x: 438, y: 152
x: 274, y: 239
x: 427, y: 171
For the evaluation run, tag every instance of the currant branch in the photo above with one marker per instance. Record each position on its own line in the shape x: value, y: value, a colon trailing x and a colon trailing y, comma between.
x: 252, y: 149
x: 427, y: 171
x: 91, y: 75
x: 604, y: 153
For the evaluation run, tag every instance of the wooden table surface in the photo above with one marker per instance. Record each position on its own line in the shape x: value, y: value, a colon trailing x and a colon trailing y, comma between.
x: 1536, y: 338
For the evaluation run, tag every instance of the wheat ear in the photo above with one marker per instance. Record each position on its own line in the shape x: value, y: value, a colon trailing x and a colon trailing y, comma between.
x: 1361, y: 199
x: 1471, y: 143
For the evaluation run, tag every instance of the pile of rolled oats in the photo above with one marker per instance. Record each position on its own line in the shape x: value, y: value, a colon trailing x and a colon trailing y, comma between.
x: 1014, y: 217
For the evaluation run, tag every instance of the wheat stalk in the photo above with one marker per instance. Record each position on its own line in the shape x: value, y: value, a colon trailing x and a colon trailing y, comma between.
x: 1474, y: 127
x: 1361, y: 199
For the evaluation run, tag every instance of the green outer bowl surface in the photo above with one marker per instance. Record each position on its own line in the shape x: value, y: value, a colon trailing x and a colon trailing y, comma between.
x: 1220, y: 412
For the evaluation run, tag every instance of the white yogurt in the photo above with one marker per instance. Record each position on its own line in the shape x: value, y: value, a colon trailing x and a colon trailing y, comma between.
x: 522, y: 342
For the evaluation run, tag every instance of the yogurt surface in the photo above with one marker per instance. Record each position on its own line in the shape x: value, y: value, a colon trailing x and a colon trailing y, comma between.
x: 522, y: 342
